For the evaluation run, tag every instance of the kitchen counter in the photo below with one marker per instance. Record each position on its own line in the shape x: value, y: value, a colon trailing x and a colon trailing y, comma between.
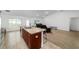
x: 34, y: 30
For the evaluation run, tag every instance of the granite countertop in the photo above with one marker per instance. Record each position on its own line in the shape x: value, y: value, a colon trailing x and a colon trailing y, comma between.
x: 34, y: 30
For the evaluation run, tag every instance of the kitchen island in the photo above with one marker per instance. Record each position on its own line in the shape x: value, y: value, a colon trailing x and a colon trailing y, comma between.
x: 33, y: 37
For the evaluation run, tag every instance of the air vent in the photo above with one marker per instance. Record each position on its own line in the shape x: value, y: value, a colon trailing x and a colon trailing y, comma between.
x: 7, y: 10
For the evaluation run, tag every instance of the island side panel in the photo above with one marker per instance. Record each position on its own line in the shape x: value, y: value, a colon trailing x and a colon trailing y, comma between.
x: 33, y: 41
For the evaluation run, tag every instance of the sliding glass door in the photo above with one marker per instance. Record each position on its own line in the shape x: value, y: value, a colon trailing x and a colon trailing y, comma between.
x: 14, y: 24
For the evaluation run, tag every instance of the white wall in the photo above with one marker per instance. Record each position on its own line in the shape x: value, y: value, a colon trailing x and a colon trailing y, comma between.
x: 0, y: 22
x: 61, y: 20
x: 74, y: 24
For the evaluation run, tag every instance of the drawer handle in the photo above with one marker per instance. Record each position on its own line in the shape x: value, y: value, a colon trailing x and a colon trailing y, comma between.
x: 36, y: 36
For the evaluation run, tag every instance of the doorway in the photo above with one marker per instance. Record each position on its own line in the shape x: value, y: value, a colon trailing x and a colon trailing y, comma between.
x: 74, y: 24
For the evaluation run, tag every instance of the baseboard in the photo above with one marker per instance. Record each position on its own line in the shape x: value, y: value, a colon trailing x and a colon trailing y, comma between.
x: 74, y: 30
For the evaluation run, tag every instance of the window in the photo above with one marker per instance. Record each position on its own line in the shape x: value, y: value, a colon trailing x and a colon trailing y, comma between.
x: 27, y: 23
x: 14, y: 22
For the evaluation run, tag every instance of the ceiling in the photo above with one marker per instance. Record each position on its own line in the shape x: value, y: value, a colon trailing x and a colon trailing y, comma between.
x: 33, y: 13
x: 28, y: 13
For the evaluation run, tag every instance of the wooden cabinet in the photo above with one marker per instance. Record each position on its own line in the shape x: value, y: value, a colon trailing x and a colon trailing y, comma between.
x: 36, y: 40
x: 33, y: 41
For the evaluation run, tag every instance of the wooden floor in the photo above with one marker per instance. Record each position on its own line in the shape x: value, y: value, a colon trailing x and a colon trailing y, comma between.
x: 56, y: 40
x: 64, y: 39
x: 14, y: 41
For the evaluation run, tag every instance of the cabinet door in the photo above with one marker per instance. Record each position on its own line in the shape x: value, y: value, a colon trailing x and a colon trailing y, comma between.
x: 36, y: 40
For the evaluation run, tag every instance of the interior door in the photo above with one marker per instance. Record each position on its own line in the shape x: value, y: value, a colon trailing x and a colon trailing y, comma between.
x: 74, y: 25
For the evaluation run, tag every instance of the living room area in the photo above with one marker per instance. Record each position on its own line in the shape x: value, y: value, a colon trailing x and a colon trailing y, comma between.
x: 59, y: 29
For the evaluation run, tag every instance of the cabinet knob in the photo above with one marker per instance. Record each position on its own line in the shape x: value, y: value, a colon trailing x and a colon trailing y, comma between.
x: 36, y: 36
